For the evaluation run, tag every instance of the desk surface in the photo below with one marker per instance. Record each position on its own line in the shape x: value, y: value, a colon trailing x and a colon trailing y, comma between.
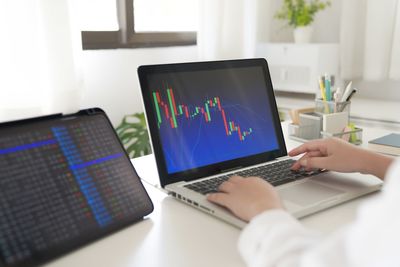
x: 178, y: 235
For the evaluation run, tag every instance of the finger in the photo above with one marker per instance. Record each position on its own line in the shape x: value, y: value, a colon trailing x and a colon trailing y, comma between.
x: 297, y: 164
x: 219, y: 198
x: 259, y: 180
x: 306, y: 156
x: 309, y: 146
x: 315, y: 163
x: 235, y: 179
x: 314, y: 154
x: 226, y: 187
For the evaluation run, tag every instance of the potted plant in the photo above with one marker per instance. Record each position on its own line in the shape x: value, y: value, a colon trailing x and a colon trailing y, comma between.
x: 299, y: 14
x: 134, y: 136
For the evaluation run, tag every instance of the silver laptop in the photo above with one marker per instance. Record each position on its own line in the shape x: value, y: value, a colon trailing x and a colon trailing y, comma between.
x: 210, y: 120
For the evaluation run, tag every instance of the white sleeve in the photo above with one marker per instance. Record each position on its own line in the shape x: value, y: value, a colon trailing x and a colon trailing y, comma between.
x: 275, y: 238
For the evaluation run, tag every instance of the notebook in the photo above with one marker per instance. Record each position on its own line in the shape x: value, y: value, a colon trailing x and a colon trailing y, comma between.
x: 388, y: 144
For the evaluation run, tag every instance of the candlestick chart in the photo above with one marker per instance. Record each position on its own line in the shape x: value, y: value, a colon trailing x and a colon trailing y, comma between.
x: 171, y: 111
x: 210, y: 116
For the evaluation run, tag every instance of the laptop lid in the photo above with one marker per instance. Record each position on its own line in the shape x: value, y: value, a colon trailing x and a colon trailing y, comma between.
x: 207, y: 118
x: 65, y: 180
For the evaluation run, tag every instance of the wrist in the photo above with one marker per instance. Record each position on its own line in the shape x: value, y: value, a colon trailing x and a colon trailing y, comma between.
x: 374, y: 163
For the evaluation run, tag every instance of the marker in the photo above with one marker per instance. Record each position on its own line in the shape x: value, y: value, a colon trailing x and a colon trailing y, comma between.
x: 328, y: 87
x: 332, y: 80
x: 321, y: 87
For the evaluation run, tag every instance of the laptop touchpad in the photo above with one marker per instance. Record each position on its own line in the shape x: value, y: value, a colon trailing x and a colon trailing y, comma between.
x: 308, y: 193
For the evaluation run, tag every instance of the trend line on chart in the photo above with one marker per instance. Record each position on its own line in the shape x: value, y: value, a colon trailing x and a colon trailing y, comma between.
x: 27, y: 146
x: 171, y: 111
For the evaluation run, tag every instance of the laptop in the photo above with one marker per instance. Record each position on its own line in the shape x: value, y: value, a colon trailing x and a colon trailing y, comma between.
x: 211, y: 120
x: 65, y: 181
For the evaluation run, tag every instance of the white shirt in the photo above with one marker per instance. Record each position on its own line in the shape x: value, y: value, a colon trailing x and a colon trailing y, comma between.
x: 275, y: 238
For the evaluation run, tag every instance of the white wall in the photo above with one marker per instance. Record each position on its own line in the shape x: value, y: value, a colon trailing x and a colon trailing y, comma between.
x: 111, y: 80
x: 110, y: 76
x: 327, y: 30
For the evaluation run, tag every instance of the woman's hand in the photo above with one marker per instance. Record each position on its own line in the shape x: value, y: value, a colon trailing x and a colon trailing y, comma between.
x: 331, y: 154
x: 246, y: 197
x: 337, y: 155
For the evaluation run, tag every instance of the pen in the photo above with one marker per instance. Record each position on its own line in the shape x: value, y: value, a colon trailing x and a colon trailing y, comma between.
x: 347, y: 92
x: 344, y: 104
x: 351, y: 94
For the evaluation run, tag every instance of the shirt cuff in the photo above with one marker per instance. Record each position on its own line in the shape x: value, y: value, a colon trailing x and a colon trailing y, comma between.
x: 268, y: 229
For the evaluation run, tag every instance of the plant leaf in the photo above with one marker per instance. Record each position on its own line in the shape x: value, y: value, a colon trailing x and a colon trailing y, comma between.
x: 133, y: 134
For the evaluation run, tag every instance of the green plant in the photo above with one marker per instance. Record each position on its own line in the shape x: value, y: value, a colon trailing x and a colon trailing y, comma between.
x: 300, y: 13
x: 134, y: 136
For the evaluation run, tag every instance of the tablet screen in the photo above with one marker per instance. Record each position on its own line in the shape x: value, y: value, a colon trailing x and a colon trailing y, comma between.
x: 63, y: 182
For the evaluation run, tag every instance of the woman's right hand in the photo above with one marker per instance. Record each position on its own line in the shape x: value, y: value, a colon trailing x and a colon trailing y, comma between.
x: 337, y: 155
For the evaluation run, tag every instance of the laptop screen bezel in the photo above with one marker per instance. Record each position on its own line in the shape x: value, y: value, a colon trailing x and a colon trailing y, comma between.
x: 213, y: 169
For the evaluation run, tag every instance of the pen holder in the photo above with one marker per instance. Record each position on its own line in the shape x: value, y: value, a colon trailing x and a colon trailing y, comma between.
x: 326, y: 107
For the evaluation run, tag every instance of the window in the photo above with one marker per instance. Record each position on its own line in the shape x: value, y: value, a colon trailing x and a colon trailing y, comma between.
x: 168, y: 13
x: 137, y: 23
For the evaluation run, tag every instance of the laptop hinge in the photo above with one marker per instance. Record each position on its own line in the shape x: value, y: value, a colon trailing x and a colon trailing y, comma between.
x: 231, y: 169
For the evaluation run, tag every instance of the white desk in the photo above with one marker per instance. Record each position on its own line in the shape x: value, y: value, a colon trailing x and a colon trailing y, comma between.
x: 178, y: 235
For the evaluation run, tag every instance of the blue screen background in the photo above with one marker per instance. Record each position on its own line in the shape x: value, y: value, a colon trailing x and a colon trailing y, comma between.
x: 195, y: 142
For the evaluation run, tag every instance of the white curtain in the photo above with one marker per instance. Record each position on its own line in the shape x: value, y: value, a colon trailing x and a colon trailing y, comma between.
x: 231, y: 28
x: 370, y: 39
x: 38, y: 59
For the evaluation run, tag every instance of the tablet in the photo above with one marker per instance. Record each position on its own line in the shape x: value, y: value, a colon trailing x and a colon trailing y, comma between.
x: 65, y: 180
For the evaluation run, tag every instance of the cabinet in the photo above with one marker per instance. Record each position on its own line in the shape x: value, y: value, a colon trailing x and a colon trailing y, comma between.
x: 296, y: 67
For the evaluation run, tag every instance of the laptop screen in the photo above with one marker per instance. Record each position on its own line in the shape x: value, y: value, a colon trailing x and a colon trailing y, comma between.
x: 205, y: 116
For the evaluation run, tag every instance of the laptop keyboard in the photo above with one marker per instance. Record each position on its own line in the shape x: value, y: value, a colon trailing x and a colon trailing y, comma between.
x: 276, y: 173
